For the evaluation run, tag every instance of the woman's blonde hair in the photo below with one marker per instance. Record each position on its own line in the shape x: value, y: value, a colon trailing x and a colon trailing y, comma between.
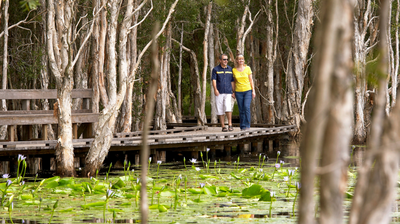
x: 238, y: 55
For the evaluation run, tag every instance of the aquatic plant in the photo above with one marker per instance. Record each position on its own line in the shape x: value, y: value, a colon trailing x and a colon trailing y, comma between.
x: 259, y: 160
x: 21, y: 163
x: 109, y: 194
x: 109, y: 168
x: 201, y: 155
x: 10, y: 209
x: 184, y: 162
x: 52, y: 211
x: 186, y: 189
x: 298, y: 186
x: 177, y: 183
x: 126, y: 171
x: 193, y: 161
x: 4, y: 191
x: 158, y: 166
x: 277, y: 166
x: 148, y: 167
x: 264, y: 157
x: 277, y: 156
x: 272, y: 195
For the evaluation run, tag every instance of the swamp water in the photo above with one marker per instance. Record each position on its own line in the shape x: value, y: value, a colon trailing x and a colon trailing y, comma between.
x: 219, y: 192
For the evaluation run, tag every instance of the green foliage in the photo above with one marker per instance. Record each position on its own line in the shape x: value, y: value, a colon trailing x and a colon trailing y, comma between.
x: 28, y: 5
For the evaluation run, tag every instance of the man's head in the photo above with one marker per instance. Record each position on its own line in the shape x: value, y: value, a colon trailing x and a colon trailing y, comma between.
x: 223, y: 60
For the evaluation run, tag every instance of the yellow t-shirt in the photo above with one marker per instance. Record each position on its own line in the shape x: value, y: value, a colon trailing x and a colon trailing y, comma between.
x: 242, y: 83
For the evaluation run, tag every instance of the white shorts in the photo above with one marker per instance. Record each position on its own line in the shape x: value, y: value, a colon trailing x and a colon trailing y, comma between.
x: 224, y: 103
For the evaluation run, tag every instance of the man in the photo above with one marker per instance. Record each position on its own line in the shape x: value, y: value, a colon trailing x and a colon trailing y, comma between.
x: 223, y: 83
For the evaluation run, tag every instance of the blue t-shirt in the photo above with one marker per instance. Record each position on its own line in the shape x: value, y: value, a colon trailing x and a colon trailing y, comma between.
x: 223, y: 77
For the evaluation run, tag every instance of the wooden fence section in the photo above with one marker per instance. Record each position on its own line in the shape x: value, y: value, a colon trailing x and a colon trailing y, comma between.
x: 174, y: 140
x: 27, y: 117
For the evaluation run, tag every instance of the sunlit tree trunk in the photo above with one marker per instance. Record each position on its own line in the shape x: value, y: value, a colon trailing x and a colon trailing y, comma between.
x: 59, y: 19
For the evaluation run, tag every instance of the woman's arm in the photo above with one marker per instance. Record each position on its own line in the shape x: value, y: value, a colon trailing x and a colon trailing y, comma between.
x: 252, y: 85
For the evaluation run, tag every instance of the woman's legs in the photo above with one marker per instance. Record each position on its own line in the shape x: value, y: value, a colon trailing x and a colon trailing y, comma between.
x: 247, y: 112
x: 240, y: 102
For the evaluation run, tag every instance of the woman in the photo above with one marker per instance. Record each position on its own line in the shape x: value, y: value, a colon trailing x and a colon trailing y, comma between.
x: 243, y: 91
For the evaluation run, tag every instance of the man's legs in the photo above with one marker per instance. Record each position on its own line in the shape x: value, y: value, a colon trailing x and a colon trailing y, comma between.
x: 222, y: 120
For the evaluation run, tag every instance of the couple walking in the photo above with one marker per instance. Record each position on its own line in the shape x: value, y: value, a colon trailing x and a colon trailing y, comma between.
x: 236, y: 83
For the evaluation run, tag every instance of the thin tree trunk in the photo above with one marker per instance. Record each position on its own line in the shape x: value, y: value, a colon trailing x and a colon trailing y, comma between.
x: 3, y: 129
x: 205, y: 63
x: 102, y: 47
x: 144, y: 156
x: 44, y: 75
x: 180, y: 78
x: 211, y: 57
x: 126, y: 111
x: 95, y: 52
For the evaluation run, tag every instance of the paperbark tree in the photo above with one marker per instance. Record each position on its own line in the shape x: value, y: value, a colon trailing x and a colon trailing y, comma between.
x: 336, y: 50
x: 107, y: 120
x: 211, y: 57
x: 61, y: 62
x: 362, y: 21
x: 3, y: 130
x: 44, y: 71
x: 205, y: 63
x: 328, y: 116
x: 377, y: 179
x: 242, y: 32
x: 271, y: 57
x: 298, y: 59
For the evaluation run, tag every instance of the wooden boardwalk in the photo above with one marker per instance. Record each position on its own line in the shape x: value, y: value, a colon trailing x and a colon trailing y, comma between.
x: 178, y: 138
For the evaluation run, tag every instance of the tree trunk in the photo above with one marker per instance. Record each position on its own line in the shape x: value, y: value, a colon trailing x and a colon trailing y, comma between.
x: 126, y: 110
x: 298, y: 59
x: 270, y: 56
x: 60, y: 61
x: 211, y: 57
x: 144, y: 154
x: 336, y: 54
x: 107, y: 120
x: 180, y: 77
x: 205, y: 63
x: 316, y: 130
x: 362, y: 14
x: 375, y: 189
x: 3, y: 129
x: 95, y: 58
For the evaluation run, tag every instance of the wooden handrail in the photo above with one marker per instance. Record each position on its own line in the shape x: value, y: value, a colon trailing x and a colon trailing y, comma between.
x: 32, y: 94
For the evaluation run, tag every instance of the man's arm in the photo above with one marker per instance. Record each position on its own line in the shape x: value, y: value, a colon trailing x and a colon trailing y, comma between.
x: 214, y: 83
x: 233, y: 89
